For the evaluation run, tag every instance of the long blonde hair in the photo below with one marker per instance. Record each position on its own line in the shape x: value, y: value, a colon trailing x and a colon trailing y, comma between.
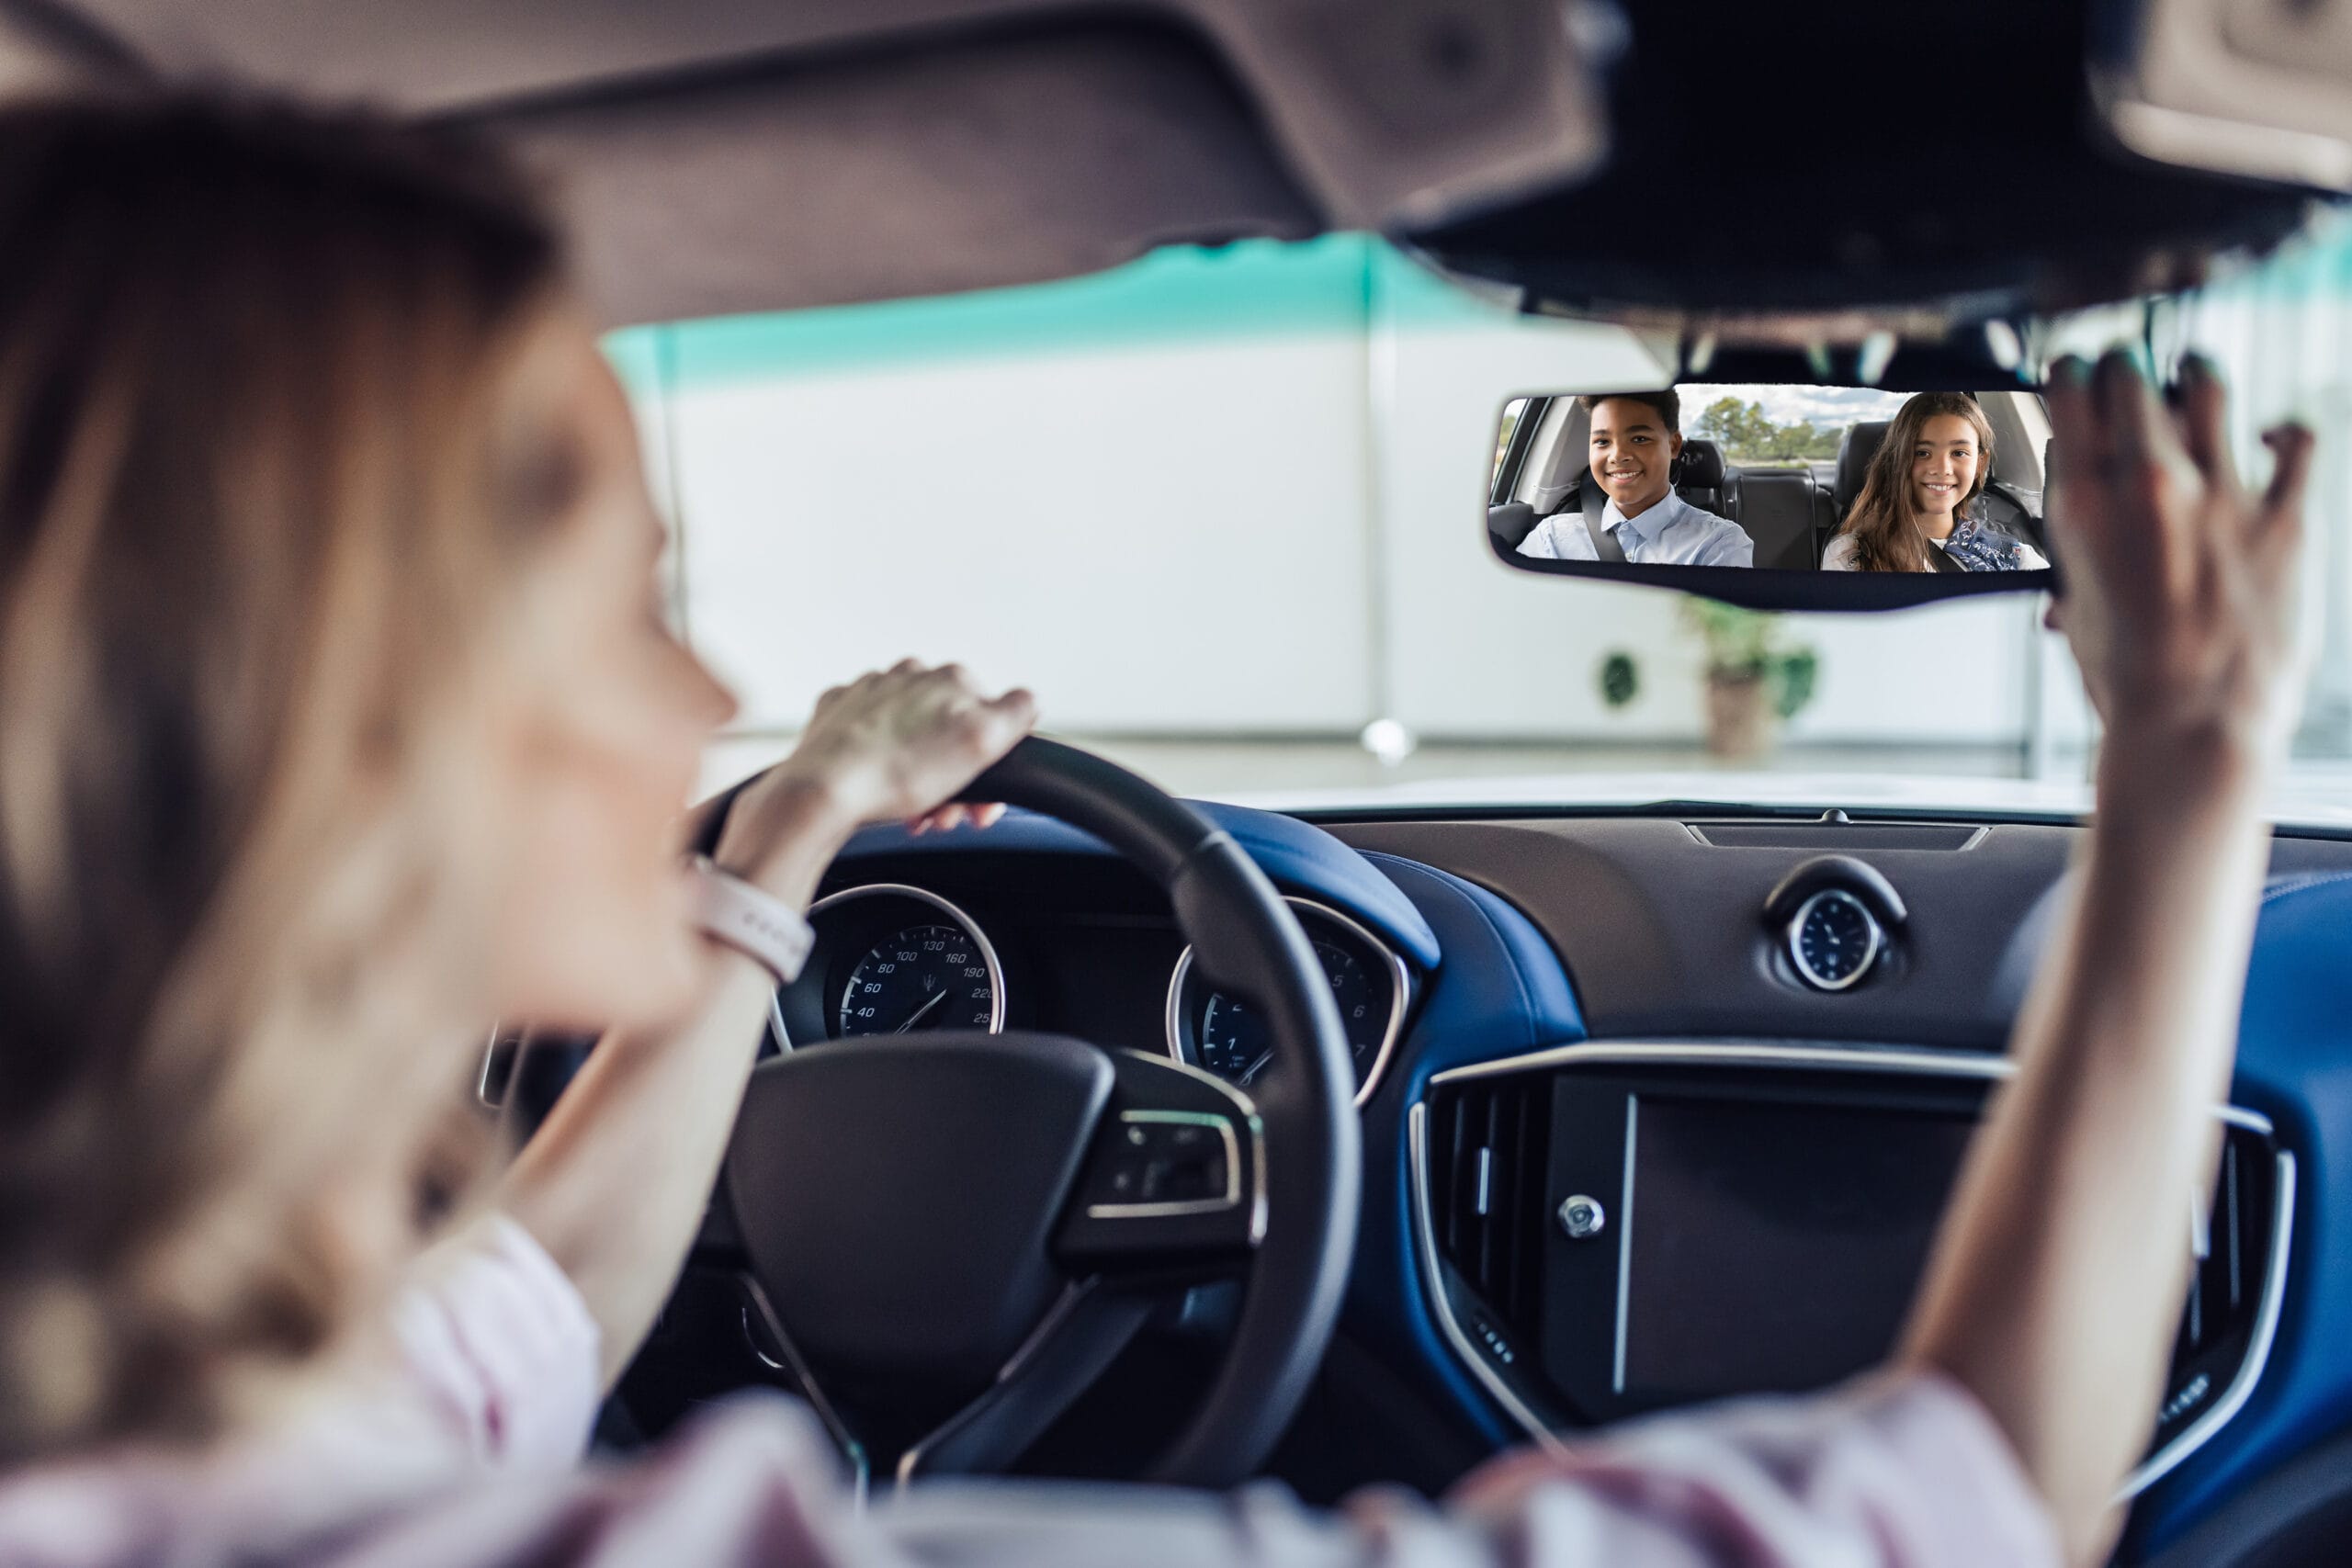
x: 264, y: 474
x: 1883, y: 524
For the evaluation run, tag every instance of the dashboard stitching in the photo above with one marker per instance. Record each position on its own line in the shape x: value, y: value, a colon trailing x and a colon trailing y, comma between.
x: 2309, y: 883
x: 1519, y: 981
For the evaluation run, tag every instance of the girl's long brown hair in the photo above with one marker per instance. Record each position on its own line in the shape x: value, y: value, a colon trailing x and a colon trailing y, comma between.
x: 1884, y: 524
x: 263, y: 470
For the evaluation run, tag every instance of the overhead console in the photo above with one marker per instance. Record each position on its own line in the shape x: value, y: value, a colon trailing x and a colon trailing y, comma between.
x: 1610, y: 1229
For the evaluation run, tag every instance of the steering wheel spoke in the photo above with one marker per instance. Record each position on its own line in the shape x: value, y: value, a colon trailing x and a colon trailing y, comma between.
x: 1174, y: 1181
x: 1079, y: 1338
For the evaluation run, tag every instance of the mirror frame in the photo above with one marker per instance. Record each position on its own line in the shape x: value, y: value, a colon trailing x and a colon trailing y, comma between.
x: 1766, y: 588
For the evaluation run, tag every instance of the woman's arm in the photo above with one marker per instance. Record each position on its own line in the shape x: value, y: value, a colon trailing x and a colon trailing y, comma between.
x: 614, y: 1185
x: 2057, y: 1283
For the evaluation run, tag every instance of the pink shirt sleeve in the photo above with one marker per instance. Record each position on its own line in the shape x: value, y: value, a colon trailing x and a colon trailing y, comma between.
x: 492, y: 1376
x: 463, y: 1456
x: 1893, y: 1472
x: 1901, y: 1470
x: 496, y: 1340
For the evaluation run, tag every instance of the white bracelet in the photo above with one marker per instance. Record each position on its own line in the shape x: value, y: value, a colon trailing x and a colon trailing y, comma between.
x: 755, y: 923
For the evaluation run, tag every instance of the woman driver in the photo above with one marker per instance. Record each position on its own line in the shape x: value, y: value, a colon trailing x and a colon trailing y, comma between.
x: 337, y: 714
x: 1916, y: 511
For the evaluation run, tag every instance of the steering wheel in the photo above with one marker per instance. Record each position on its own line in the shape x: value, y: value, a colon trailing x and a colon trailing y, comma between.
x: 948, y: 1236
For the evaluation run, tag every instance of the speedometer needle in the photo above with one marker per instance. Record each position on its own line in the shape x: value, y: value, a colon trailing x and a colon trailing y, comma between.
x: 915, y: 1017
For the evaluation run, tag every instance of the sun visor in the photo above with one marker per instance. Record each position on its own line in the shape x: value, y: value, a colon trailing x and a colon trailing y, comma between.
x: 2257, y: 88
x: 1020, y: 154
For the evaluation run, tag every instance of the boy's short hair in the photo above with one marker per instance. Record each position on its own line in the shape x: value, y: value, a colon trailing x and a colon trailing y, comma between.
x: 1669, y: 404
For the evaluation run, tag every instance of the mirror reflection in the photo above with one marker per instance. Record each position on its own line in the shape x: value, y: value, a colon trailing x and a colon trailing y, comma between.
x: 1781, y: 477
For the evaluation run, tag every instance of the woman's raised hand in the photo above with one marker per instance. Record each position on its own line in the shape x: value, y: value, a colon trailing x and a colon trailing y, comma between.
x: 894, y: 744
x: 2181, y: 584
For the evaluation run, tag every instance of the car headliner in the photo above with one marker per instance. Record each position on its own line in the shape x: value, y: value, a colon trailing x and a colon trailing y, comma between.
x: 719, y: 156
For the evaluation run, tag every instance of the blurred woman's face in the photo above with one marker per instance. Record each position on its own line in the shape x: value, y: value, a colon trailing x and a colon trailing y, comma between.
x: 598, y: 738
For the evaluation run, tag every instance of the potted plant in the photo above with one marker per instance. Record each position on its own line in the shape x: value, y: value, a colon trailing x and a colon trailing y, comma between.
x: 1754, y: 678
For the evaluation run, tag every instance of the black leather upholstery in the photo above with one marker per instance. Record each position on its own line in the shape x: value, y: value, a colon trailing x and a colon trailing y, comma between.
x: 1510, y: 523
x: 1776, y: 510
x: 1999, y: 509
x: 1855, y: 449
x: 1702, y: 464
x: 1700, y: 477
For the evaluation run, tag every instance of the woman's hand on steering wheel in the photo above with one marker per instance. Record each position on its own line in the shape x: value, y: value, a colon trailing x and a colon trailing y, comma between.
x: 891, y: 745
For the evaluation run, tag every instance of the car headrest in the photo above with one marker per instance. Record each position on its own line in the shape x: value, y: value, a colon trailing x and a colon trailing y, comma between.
x: 1855, y: 449
x: 1702, y: 464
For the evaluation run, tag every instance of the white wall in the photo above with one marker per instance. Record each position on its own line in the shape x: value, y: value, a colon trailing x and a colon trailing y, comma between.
x: 1168, y: 540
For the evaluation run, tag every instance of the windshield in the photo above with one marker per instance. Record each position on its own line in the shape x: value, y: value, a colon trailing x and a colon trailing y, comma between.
x: 1221, y: 509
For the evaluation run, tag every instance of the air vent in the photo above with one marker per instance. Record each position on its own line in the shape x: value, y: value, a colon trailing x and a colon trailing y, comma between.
x: 2217, y: 1330
x: 1488, y: 1147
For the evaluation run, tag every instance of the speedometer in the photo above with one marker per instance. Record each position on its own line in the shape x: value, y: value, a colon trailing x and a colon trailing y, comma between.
x: 889, y: 958
x: 925, y: 976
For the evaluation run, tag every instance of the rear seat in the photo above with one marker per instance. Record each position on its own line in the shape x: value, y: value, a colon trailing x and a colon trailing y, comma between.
x: 1855, y: 449
x: 1777, y: 511
x: 1701, y: 478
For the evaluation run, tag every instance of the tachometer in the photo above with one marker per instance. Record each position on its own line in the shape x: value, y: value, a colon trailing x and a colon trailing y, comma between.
x: 1225, y: 1035
x: 925, y: 976
x: 1234, y: 1042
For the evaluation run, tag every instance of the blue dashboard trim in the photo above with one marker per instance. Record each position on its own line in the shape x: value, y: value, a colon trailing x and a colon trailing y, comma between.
x: 1500, y: 991
x: 1300, y: 857
x: 2295, y: 1067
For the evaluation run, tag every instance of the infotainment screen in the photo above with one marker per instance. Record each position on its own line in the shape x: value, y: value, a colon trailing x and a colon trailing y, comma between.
x: 1771, y: 1247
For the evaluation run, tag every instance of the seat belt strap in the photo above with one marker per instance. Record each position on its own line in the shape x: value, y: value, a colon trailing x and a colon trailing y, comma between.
x: 1604, y: 543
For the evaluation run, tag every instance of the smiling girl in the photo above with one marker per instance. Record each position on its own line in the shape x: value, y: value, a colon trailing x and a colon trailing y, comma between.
x: 1914, y: 513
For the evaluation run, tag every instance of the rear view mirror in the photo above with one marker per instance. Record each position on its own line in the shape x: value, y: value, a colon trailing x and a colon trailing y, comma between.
x: 1777, y: 495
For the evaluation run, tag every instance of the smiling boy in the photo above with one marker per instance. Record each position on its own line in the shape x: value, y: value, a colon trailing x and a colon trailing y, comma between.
x: 1635, y: 438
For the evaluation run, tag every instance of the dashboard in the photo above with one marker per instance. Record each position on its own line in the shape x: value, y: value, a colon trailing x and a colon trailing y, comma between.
x: 1657, y: 1106
x: 893, y: 958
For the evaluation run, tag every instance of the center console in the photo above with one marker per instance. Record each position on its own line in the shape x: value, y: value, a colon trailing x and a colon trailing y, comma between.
x: 1610, y: 1229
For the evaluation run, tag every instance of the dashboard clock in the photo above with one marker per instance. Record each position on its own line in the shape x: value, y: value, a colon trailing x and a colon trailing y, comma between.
x: 1832, y: 939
